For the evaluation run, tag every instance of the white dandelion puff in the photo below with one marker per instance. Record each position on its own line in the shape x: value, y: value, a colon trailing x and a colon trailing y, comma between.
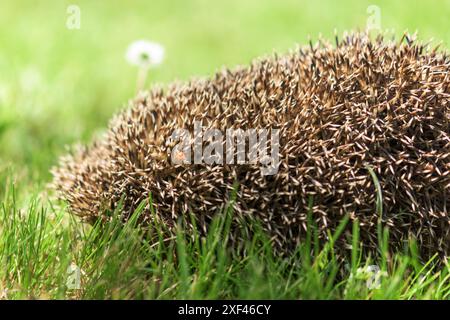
x: 145, y: 54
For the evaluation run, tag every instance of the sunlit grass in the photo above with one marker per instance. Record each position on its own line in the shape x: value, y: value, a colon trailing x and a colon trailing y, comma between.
x: 38, y: 243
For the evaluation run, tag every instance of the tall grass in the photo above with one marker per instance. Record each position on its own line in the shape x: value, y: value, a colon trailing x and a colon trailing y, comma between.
x: 38, y: 244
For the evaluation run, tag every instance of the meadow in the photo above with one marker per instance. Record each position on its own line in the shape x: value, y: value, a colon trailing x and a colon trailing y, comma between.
x: 60, y: 86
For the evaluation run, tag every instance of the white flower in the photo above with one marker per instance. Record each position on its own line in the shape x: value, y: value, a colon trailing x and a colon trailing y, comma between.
x: 145, y: 54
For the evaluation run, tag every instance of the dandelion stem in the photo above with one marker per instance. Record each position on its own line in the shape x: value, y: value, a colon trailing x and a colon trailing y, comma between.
x: 141, y: 79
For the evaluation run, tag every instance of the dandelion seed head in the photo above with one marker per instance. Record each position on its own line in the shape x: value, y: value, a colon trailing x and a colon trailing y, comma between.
x: 145, y: 53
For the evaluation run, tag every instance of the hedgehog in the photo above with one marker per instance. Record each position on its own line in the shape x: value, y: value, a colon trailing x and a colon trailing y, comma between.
x: 345, y: 112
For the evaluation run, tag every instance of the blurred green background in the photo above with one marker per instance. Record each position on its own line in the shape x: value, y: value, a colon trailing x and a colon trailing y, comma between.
x: 60, y: 86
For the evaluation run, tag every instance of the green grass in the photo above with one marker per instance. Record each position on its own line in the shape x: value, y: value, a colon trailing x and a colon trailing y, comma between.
x: 39, y: 244
x: 60, y: 86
